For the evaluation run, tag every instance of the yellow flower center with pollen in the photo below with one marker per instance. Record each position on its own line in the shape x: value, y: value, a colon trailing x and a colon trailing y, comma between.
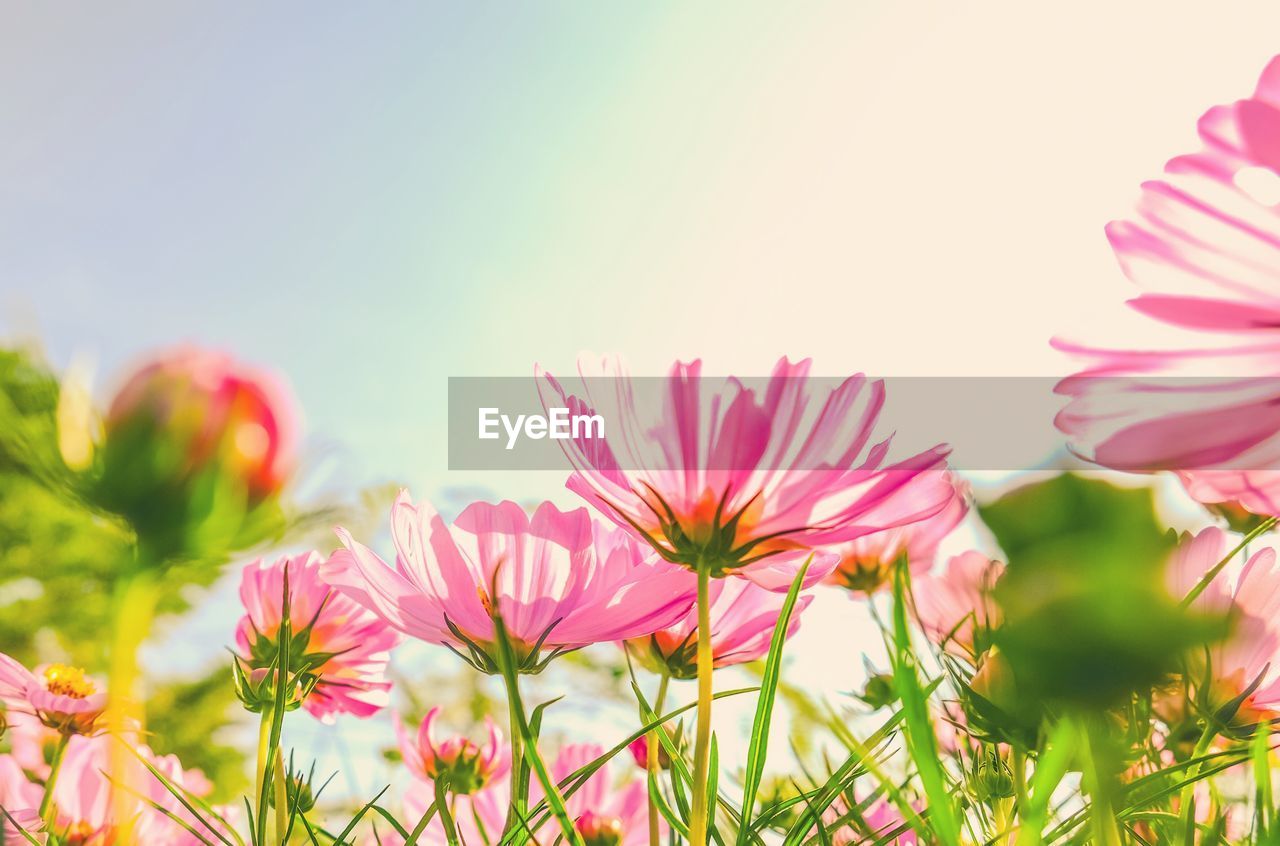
x: 68, y: 681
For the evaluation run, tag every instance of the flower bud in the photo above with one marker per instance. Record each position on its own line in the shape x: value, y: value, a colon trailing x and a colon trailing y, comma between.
x: 640, y: 750
x: 298, y: 794
x: 194, y: 436
x: 598, y: 830
x: 256, y: 689
x: 992, y: 778
x: 879, y: 691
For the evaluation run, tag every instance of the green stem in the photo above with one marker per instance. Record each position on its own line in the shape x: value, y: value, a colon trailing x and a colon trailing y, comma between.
x: 651, y: 763
x: 46, y: 803
x: 264, y: 754
x: 446, y: 813
x: 1019, y: 764
x: 702, y: 743
x: 1106, y: 828
x: 519, y: 783
x: 1188, y: 796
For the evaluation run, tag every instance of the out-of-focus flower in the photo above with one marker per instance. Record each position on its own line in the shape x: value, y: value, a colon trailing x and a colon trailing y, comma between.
x: 744, y: 617
x: 62, y: 697
x: 31, y: 742
x: 719, y: 477
x: 1205, y: 247
x: 559, y: 581
x: 20, y: 799
x: 86, y: 806
x: 202, y: 407
x: 1237, y: 679
x: 866, y: 563
x: 195, y: 442
x: 465, y: 766
x: 344, y: 646
x: 869, y: 822
x: 604, y: 814
x: 955, y: 607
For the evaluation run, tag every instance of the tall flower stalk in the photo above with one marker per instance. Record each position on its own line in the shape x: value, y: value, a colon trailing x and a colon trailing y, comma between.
x: 135, y: 604
x: 702, y: 737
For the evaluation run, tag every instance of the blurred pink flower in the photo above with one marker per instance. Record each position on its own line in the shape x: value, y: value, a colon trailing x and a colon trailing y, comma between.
x: 955, y: 607
x: 83, y: 798
x: 866, y: 563
x: 62, y: 697
x: 603, y: 813
x: 743, y: 619
x: 1245, y: 668
x: 209, y: 408
x: 31, y: 742
x: 715, y: 476
x: 1205, y: 247
x: 561, y: 581
x: 874, y: 820
x: 466, y: 766
x: 346, y: 646
x: 20, y: 798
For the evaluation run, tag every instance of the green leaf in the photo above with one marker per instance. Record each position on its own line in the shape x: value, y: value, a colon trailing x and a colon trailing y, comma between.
x: 758, y: 749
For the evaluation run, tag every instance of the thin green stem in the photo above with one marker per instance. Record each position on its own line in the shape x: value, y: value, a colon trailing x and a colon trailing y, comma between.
x: 46, y: 803
x: 264, y: 754
x: 1266, y: 526
x: 1188, y: 796
x: 446, y: 813
x: 519, y: 784
x: 651, y: 764
x: 1019, y: 764
x: 702, y: 742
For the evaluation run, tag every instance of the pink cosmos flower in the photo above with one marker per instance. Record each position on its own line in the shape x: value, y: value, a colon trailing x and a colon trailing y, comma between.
x: 604, y: 815
x: 1205, y: 247
x: 1244, y: 670
x: 20, y: 800
x: 466, y: 766
x: 719, y: 475
x: 340, y: 642
x: 866, y: 563
x: 62, y: 697
x: 955, y: 607
x: 559, y: 581
x: 743, y: 619
x: 84, y: 799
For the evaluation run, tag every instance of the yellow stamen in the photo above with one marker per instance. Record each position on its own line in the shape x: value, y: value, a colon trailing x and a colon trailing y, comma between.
x: 485, y: 600
x: 68, y: 681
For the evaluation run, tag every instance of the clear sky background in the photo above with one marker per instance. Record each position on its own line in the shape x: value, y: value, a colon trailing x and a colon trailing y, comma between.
x: 371, y: 199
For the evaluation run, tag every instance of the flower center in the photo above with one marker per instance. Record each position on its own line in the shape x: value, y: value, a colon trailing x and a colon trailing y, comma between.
x: 62, y: 680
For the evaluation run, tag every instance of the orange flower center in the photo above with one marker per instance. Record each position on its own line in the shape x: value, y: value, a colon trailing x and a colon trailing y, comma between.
x: 68, y: 681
